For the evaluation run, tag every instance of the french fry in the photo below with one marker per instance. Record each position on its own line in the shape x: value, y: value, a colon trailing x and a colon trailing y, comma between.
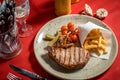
x: 98, y: 52
x: 104, y: 42
x: 92, y: 37
x: 103, y: 47
x: 86, y: 44
x: 99, y: 41
x: 95, y: 42
x: 89, y: 47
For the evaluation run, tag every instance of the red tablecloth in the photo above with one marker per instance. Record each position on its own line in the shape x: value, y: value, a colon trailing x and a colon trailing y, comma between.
x: 41, y: 12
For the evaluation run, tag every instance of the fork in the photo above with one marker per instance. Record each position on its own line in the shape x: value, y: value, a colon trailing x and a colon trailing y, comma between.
x: 11, y: 76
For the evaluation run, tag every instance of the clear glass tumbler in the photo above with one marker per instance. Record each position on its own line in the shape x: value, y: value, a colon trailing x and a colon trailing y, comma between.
x: 10, y: 45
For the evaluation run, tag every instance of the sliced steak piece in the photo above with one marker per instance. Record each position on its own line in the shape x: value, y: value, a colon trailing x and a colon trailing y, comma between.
x: 70, y: 58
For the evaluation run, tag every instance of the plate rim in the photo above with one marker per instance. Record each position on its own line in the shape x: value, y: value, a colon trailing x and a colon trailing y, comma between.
x: 110, y: 64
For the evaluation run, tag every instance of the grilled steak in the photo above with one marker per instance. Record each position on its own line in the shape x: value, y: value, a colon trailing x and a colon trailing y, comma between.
x: 70, y: 58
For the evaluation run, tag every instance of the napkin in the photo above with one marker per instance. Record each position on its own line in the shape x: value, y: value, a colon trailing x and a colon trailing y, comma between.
x: 107, y: 34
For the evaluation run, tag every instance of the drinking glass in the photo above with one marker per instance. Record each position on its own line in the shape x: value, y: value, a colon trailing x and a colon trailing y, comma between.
x: 22, y: 11
x: 10, y: 45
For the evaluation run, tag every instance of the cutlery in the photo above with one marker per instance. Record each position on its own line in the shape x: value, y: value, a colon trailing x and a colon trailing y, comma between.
x: 11, y: 76
x: 27, y: 73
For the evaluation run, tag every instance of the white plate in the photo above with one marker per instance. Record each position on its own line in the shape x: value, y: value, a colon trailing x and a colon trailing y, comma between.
x: 94, y: 67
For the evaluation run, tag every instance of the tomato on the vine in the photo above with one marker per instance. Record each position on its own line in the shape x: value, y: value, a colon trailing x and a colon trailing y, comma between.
x: 64, y: 32
x: 63, y: 28
x: 71, y: 31
x: 73, y: 37
x: 71, y: 26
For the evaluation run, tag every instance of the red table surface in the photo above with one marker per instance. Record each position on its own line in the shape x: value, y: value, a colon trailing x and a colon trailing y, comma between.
x: 41, y: 12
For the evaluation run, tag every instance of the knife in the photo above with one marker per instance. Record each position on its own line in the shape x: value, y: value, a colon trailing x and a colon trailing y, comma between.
x: 27, y: 73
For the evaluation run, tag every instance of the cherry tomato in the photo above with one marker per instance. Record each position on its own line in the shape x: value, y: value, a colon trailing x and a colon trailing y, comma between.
x: 71, y: 26
x: 63, y: 28
x: 73, y: 37
x: 64, y: 32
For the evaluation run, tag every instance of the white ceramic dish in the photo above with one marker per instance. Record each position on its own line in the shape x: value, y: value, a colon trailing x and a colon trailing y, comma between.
x: 94, y: 67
